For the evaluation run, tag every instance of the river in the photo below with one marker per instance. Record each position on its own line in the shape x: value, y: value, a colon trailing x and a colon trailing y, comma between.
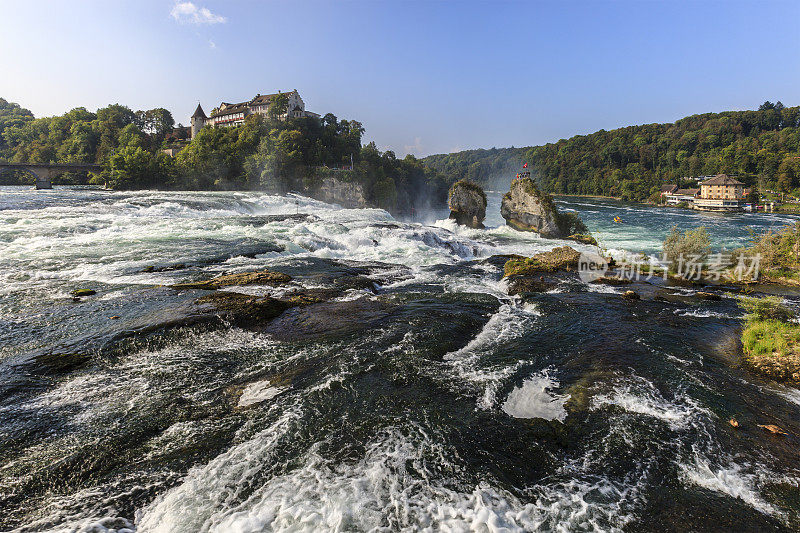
x: 458, y: 408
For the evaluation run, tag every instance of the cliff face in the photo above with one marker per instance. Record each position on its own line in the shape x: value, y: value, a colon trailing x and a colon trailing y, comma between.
x: 467, y: 203
x: 345, y: 193
x: 526, y: 208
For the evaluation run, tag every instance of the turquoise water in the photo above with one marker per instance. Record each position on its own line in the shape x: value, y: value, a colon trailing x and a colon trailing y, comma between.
x: 644, y: 227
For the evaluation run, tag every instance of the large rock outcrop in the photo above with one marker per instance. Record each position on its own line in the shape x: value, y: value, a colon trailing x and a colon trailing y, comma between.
x: 526, y: 208
x: 467, y: 203
x: 348, y: 194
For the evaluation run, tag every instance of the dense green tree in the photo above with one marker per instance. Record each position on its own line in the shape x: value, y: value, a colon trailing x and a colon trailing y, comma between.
x: 274, y: 152
x: 633, y: 162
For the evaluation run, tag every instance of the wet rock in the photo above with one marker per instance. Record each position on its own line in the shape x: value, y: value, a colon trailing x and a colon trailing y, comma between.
x: 772, y: 428
x: 562, y: 258
x: 260, y: 277
x: 523, y: 284
x: 499, y: 260
x: 710, y: 296
x: 327, y: 318
x: 467, y: 203
x: 583, y: 239
x: 631, y: 295
x: 151, y: 268
x: 244, y: 310
x: 77, y: 293
x: 612, y: 280
x: 783, y: 368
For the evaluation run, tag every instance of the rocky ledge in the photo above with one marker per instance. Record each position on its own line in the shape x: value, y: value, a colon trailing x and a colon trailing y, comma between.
x: 467, y: 203
x: 540, y: 272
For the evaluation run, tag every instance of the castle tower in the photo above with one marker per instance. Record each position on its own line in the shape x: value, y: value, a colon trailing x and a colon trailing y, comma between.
x: 198, y: 120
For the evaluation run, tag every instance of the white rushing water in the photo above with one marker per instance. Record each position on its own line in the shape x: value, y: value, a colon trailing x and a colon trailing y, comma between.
x: 269, y: 396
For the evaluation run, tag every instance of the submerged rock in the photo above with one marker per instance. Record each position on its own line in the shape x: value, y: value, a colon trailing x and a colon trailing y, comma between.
x: 152, y: 268
x: 526, y: 208
x: 467, y: 203
x: 327, y: 318
x: 523, y: 284
x: 260, y: 277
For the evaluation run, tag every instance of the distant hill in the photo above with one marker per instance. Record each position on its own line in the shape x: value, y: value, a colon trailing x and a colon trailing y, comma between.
x: 484, y: 166
x: 760, y: 147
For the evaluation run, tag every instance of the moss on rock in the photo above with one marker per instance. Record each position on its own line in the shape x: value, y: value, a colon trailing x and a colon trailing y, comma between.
x: 561, y: 258
x: 83, y: 292
x: 260, y: 277
x: 583, y: 239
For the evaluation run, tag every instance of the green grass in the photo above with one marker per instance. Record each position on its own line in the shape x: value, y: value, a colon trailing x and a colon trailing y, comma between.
x: 770, y: 342
x: 770, y: 337
x: 768, y: 308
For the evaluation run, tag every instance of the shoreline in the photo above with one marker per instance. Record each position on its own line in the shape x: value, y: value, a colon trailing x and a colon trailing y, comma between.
x: 589, y: 196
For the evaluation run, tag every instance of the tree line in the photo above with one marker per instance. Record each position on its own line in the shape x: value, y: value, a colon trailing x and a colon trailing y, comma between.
x: 761, y: 148
x: 268, y: 152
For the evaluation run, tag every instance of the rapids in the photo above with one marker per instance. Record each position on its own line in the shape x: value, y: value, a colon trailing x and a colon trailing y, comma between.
x: 461, y: 408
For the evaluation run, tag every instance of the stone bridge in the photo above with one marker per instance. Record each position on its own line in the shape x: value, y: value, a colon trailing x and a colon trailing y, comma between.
x: 43, y: 174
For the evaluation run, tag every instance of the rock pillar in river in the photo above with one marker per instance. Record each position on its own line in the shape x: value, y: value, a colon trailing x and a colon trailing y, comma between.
x: 526, y: 208
x: 467, y: 203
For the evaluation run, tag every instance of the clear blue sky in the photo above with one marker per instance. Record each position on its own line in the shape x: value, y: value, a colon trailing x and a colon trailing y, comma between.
x: 423, y: 77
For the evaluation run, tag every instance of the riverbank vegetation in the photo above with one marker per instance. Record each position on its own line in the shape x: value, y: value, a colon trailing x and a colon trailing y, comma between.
x: 266, y: 153
x: 770, y: 340
x: 779, y: 253
x: 691, y: 245
x: 759, y: 147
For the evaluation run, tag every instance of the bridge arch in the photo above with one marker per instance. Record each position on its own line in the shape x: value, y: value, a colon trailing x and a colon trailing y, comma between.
x: 43, y: 174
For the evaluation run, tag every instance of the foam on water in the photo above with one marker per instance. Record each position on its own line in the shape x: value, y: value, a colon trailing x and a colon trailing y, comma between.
x: 792, y: 394
x: 392, y: 487
x: 258, y: 392
x: 639, y: 396
x: 534, y: 399
x: 511, y: 321
x: 732, y: 480
x: 395, y: 481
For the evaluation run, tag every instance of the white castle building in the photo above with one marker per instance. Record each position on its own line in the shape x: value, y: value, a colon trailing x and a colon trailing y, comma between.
x: 228, y: 115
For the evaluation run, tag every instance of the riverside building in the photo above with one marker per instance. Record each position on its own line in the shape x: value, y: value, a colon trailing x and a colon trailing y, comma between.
x: 720, y: 193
